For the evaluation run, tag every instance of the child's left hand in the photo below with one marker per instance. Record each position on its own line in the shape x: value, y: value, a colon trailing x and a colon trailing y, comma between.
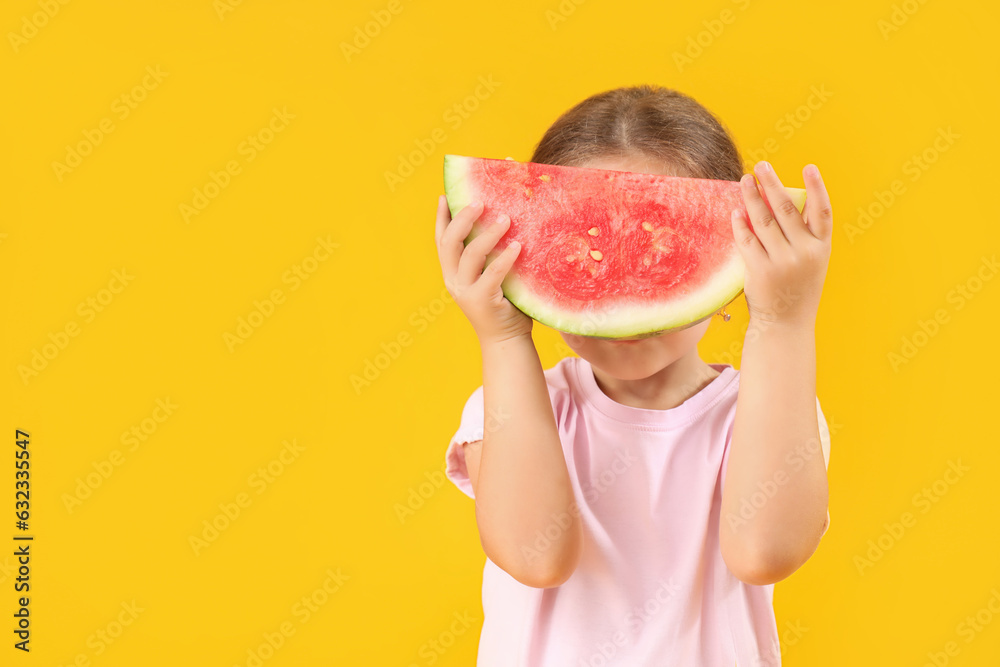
x: 785, y: 255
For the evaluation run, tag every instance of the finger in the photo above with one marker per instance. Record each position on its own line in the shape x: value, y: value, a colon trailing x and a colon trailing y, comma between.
x: 443, y: 218
x: 782, y: 206
x: 494, y: 274
x: 762, y: 221
x: 819, y: 213
x: 470, y: 266
x: 746, y: 242
x: 453, y: 239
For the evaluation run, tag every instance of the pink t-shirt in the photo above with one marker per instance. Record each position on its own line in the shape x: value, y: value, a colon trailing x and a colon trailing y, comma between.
x: 651, y: 587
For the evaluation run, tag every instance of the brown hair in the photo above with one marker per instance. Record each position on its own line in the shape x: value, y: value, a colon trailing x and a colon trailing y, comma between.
x: 646, y: 121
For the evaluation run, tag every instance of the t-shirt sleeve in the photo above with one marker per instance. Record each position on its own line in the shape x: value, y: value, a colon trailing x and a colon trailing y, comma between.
x: 470, y: 429
x: 824, y: 438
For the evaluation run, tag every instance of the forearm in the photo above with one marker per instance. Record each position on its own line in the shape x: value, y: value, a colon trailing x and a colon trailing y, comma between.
x: 524, y: 486
x: 775, y: 448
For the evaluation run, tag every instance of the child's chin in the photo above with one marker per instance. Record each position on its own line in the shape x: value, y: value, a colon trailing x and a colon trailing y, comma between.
x: 626, y: 365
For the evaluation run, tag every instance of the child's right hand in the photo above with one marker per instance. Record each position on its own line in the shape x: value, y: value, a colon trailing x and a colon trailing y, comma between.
x: 476, y: 291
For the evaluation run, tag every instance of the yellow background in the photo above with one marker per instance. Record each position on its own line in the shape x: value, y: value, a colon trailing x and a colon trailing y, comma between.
x: 368, y: 451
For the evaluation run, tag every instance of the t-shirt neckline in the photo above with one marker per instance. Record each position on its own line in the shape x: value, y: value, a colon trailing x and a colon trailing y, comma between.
x: 677, y: 416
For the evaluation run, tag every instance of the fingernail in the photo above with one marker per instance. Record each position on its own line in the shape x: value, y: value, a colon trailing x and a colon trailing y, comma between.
x: 765, y: 166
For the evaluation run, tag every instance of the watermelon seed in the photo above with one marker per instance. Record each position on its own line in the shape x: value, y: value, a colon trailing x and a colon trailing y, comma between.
x: 527, y: 191
x: 593, y: 231
x: 648, y: 227
x: 545, y: 177
x: 596, y: 254
x: 645, y: 261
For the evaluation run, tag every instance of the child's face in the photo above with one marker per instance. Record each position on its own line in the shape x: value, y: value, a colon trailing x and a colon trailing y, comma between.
x: 636, y: 358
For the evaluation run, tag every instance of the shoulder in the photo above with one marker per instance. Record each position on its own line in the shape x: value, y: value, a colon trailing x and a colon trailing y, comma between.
x: 563, y: 375
x: 728, y: 381
x: 560, y: 379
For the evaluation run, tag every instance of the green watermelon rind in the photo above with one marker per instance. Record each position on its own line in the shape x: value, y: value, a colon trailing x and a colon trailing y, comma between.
x: 456, y: 187
x: 726, y: 284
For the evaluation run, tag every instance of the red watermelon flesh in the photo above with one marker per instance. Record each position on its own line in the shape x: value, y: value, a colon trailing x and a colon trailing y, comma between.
x: 607, y: 254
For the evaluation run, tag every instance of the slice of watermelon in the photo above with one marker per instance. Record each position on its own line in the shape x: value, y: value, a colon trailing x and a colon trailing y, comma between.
x: 607, y: 254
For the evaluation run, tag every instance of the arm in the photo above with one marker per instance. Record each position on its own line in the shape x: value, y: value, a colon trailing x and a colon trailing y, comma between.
x: 776, y: 448
x: 775, y: 440
x: 519, y: 473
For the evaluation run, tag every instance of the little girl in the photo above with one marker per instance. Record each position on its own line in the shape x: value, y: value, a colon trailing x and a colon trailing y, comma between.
x: 636, y: 504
